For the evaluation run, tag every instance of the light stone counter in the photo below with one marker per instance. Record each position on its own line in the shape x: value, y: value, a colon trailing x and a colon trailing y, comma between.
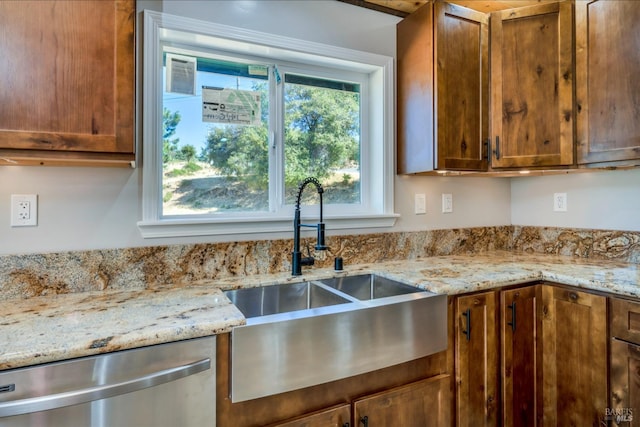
x: 43, y: 329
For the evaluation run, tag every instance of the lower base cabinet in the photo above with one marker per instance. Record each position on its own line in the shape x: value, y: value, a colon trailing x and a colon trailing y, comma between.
x: 339, y: 416
x: 624, y: 330
x: 421, y: 404
x: 553, y: 364
x: 574, y: 357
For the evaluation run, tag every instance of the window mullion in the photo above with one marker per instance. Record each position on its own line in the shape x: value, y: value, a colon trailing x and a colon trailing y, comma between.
x: 276, y: 165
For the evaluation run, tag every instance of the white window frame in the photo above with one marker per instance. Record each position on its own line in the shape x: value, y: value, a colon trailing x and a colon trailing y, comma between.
x: 377, y: 148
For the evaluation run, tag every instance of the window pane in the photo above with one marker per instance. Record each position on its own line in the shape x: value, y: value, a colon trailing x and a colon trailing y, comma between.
x: 215, y: 136
x: 322, y: 137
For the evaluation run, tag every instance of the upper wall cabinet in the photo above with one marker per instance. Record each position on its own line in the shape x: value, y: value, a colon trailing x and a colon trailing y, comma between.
x: 532, y: 86
x: 67, y: 82
x: 442, y: 85
x: 607, y: 86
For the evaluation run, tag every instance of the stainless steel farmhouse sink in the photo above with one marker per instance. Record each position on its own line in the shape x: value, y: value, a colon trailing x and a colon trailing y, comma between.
x: 303, y: 334
x: 266, y: 300
x: 369, y: 286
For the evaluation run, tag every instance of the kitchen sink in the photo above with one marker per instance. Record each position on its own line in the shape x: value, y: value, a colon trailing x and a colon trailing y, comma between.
x: 275, y: 299
x: 302, y: 334
x: 369, y: 286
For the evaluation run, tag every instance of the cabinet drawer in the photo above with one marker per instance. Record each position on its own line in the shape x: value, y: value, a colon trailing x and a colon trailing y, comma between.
x: 624, y: 316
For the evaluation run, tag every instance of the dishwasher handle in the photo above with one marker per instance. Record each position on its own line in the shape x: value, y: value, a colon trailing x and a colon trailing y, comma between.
x: 59, y: 400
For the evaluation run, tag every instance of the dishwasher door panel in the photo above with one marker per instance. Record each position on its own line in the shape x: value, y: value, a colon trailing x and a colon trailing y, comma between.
x: 165, y: 385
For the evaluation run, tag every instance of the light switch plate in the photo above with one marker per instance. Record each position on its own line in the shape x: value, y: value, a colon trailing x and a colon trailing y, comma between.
x: 420, y: 204
x: 447, y: 203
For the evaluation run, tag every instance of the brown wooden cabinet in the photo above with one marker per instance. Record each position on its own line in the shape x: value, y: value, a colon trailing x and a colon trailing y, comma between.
x: 624, y: 326
x: 67, y: 81
x: 420, y: 404
x: 521, y: 376
x: 574, y: 357
x: 532, y: 86
x: 442, y: 89
x: 553, y: 342
x: 476, y: 360
x: 339, y: 416
x: 607, y: 89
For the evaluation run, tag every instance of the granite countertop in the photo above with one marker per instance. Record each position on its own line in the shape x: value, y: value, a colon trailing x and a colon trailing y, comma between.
x: 44, y: 329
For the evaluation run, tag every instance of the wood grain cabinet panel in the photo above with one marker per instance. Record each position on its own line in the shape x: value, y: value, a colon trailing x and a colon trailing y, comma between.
x: 442, y: 85
x: 421, y: 404
x: 339, y: 416
x: 574, y: 357
x: 521, y: 376
x: 625, y: 384
x: 67, y: 80
x: 607, y: 87
x: 532, y: 86
x: 477, y: 351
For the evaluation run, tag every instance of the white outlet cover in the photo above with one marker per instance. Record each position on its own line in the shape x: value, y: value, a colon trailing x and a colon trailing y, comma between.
x: 560, y: 202
x: 24, y: 210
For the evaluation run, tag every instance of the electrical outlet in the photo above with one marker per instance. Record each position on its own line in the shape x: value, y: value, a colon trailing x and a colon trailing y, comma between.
x: 420, y: 204
x: 24, y: 210
x: 559, y: 202
x: 447, y: 203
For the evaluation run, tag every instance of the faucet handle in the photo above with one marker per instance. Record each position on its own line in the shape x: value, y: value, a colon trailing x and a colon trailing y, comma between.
x: 320, y: 245
x: 308, y: 260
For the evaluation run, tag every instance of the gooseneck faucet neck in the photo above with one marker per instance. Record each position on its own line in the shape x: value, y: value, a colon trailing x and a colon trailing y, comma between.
x: 297, y: 260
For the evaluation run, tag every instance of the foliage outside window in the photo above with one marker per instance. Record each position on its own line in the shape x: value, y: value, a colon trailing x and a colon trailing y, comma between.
x: 218, y: 164
x: 236, y: 133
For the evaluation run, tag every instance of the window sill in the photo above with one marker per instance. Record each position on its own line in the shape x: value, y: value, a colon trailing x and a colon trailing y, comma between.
x: 208, y: 227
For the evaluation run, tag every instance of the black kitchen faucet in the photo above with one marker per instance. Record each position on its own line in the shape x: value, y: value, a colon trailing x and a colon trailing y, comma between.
x: 297, y: 261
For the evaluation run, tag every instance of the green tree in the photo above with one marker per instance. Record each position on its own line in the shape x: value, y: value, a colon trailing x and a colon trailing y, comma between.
x: 187, y: 153
x: 321, y: 130
x: 321, y: 135
x: 170, y: 122
x: 239, y: 151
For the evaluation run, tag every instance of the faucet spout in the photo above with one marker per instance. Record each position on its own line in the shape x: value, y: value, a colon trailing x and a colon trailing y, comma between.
x: 297, y: 261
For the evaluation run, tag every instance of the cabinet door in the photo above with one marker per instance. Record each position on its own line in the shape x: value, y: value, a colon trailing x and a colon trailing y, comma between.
x: 414, y: 85
x: 67, y: 78
x: 607, y: 89
x: 532, y: 86
x: 424, y: 403
x: 520, y: 373
x: 476, y: 360
x: 462, y: 83
x: 339, y: 416
x: 625, y: 384
x: 442, y: 89
x: 574, y: 357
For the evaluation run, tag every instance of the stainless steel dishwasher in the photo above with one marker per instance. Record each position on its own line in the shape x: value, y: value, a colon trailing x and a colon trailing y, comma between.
x: 163, y: 385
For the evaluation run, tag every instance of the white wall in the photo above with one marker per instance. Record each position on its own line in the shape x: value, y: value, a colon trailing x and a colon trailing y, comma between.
x: 96, y: 208
x: 603, y: 200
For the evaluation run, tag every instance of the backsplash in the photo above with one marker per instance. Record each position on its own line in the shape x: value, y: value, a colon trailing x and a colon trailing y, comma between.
x: 23, y: 276
x: 595, y: 244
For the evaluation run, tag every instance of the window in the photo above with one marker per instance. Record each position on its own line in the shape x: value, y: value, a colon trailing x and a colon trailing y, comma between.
x: 234, y: 120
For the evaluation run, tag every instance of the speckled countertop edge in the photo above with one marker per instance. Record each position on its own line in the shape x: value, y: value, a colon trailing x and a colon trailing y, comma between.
x: 45, y: 329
